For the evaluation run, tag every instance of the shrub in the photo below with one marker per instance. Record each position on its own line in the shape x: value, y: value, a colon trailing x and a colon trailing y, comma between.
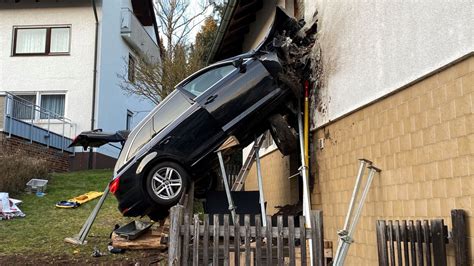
x: 17, y: 168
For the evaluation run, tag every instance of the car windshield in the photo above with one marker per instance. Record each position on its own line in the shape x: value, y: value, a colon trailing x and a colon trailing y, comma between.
x: 204, y: 81
x: 163, y: 114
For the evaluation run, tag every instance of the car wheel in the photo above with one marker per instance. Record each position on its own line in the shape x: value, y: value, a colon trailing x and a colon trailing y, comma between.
x: 283, y: 134
x: 166, y: 182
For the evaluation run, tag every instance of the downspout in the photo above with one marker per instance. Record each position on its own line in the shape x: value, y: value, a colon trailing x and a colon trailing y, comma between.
x: 94, y: 85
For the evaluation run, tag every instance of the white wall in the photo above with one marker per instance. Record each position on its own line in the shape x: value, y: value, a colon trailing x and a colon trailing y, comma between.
x: 112, y: 103
x: 71, y: 74
x: 371, y: 48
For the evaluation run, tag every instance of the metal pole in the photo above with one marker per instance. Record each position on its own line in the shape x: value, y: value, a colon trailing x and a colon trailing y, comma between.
x: 304, y: 175
x: 10, y: 107
x: 62, y: 139
x: 260, y: 183
x: 32, y: 121
x: 348, y: 240
x: 49, y: 123
x: 226, y: 186
x: 342, y: 233
x: 80, y: 239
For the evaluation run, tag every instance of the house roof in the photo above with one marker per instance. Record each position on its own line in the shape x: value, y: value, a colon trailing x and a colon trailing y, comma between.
x: 238, y: 16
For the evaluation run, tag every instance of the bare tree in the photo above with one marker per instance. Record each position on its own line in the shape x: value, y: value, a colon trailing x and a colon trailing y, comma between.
x: 154, y: 81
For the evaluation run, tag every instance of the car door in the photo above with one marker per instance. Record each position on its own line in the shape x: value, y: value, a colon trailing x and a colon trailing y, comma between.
x: 239, y: 94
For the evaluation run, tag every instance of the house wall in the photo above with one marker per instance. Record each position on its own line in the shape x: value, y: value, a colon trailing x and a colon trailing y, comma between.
x: 371, y: 48
x: 112, y: 102
x: 71, y: 74
x: 422, y: 138
x: 279, y: 190
x: 2, y: 111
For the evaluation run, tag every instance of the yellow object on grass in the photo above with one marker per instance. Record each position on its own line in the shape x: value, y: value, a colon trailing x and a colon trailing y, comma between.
x: 77, y: 201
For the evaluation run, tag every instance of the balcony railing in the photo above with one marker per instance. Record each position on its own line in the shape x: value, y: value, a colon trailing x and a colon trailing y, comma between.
x: 21, y: 118
x: 137, y: 37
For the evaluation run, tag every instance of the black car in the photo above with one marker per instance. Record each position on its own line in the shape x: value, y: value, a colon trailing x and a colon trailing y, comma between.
x: 176, y: 142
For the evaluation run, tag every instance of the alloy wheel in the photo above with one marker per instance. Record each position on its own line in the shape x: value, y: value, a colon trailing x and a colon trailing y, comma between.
x: 167, y: 183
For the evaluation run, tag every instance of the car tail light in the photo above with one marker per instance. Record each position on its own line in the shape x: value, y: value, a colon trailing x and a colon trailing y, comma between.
x: 113, y: 186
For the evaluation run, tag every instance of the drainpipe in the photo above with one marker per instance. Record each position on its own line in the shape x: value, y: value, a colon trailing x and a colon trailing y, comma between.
x: 94, y: 85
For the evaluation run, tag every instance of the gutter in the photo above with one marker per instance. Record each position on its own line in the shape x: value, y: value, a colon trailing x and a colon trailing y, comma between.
x: 229, y: 11
x: 94, y: 85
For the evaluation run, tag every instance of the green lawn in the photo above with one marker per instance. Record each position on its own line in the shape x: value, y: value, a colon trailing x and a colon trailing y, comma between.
x: 44, y: 228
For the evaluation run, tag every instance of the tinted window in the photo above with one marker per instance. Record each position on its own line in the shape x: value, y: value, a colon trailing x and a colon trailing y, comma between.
x: 204, y: 81
x: 163, y: 114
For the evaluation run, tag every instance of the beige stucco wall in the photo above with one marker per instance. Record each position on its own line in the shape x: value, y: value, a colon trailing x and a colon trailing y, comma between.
x: 423, y: 140
x: 278, y: 189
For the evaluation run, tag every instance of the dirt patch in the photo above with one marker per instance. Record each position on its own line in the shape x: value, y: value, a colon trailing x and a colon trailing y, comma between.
x: 128, y: 258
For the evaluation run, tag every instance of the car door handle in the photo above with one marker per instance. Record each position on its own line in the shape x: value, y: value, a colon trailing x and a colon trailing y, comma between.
x: 210, y: 99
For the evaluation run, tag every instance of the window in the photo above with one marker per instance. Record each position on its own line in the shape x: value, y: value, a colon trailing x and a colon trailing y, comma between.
x: 53, y: 103
x: 23, y: 106
x: 41, y: 40
x: 204, y: 81
x: 131, y: 68
x: 128, y: 122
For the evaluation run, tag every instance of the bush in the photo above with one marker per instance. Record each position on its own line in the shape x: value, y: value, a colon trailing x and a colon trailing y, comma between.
x: 17, y: 168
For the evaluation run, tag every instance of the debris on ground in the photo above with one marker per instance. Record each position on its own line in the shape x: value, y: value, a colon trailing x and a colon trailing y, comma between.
x: 79, y: 200
x: 154, y: 238
x: 9, y: 208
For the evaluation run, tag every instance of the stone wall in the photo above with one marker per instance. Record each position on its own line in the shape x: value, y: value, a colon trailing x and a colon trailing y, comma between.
x: 422, y: 138
x: 58, y: 161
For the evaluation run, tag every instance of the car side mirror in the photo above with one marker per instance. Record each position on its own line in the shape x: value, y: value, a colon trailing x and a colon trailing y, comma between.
x: 239, y: 63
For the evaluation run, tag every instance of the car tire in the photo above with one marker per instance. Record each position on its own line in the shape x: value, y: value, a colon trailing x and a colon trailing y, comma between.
x: 166, y: 183
x: 283, y: 134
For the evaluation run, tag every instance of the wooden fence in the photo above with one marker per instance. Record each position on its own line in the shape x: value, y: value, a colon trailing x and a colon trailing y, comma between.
x: 198, y: 241
x: 421, y: 242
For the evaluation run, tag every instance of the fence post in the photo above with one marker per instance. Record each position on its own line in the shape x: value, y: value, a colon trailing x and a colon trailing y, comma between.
x: 458, y: 218
x: 439, y: 242
x: 317, y: 237
x: 174, y: 252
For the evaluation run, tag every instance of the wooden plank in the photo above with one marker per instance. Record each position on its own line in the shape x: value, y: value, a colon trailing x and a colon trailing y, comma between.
x: 427, y: 240
x: 303, y: 240
x: 226, y: 239
x: 291, y: 240
x: 186, y: 237
x: 247, y: 239
x: 390, y: 243
x: 215, y: 239
x: 258, y: 240
x: 237, y: 240
x: 205, y: 241
x: 317, y: 237
x: 269, y: 241
x: 174, y: 254
x: 281, y: 258
x: 196, y: 241
x: 146, y: 241
x: 438, y: 239
x: 404, y: 233
x: 382, y: 242
x: 398, y: 238
x: 458, y: 218
x: 412, y: 242
x: 419, y: 242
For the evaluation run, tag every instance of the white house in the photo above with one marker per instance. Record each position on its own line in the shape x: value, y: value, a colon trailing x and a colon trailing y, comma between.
x: 65, y: 56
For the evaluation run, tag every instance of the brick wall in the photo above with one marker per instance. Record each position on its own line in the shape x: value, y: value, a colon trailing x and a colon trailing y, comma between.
x: 278, y: 189
x: 58, y: 161
x: 423, y: 140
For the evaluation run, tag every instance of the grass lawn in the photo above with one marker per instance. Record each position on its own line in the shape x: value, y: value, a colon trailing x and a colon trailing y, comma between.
x: 41, y: 233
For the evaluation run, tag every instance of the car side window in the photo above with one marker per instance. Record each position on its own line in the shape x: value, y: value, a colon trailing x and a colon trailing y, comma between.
x: 200, y: 84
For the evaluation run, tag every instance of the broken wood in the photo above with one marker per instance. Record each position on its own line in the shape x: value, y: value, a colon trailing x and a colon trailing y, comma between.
x: 152, y: 239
